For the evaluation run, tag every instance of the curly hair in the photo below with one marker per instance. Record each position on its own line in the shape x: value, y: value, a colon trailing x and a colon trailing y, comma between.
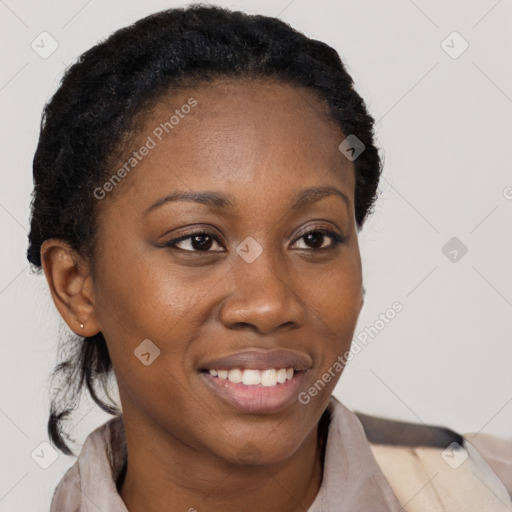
x: 100, y: 99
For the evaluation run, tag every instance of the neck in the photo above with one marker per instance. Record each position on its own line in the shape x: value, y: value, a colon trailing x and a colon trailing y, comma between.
x: 195, y: 481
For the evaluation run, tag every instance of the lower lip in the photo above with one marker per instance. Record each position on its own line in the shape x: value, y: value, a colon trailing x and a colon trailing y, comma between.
x: 256, y: 399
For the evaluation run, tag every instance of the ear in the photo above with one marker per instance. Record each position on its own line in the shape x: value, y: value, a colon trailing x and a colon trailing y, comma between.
x: 362, y: 299
x: 70, y: 282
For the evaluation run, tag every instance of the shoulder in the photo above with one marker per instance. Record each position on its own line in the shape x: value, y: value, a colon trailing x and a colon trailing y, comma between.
x: 99, y: 463
x: 497, y: 452
x: 66, y: 495
x: 437, y: 450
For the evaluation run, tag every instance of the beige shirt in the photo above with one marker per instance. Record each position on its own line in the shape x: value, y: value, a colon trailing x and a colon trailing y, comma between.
x: 371, y: 465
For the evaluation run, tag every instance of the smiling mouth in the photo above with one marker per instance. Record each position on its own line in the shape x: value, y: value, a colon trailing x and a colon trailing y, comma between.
x: 268, y: 377
x: 259, y: 394
x: 256, y: 381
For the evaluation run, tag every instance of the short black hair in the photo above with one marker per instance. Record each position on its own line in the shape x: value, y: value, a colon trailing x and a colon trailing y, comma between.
x: 97, y: 105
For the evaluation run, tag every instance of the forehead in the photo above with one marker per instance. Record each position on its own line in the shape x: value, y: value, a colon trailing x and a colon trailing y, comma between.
x: 256, y: 138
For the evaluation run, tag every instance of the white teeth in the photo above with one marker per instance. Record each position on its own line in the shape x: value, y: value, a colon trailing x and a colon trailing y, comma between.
x: 268, y: 377
x: 251, y: 377
x: 235, y: 375
x: 281, y: 375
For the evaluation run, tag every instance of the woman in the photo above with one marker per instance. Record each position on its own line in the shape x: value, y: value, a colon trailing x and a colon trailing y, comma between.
x: 200, y: 182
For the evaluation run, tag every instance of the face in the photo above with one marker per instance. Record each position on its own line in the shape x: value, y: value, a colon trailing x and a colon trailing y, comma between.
x: 260, y: 280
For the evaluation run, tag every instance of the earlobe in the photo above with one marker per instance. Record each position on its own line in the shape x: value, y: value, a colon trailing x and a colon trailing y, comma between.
x: 69, y: 279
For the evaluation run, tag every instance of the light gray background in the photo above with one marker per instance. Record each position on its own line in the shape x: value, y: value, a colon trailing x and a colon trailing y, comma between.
x: 445, y: 127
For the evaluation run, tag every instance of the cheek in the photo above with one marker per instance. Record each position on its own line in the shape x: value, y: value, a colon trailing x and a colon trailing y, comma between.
x: 334, y: 300
x: 337, y: 293
x: 141, y: 285
x: 144, y: 300
x: 142, y: 296
x: 149, y: 315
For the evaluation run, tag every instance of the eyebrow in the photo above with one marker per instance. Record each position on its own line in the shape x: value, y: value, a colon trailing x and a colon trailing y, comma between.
x: 300, y: 199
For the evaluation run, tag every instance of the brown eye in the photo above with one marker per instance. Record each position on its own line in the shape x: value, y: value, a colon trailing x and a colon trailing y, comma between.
x: 315, y: 239
x: 197, y: 242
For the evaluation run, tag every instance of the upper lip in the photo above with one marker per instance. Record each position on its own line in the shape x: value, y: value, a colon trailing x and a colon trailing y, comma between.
x: 260, y: 359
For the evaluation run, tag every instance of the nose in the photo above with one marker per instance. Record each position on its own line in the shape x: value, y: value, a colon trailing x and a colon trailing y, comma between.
x: 263, y: 298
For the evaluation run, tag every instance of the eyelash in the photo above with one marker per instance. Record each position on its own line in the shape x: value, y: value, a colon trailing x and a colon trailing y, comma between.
x: 335, y: 238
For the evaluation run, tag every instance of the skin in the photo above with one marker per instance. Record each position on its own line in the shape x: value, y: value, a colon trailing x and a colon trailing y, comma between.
x: 185, y: 442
